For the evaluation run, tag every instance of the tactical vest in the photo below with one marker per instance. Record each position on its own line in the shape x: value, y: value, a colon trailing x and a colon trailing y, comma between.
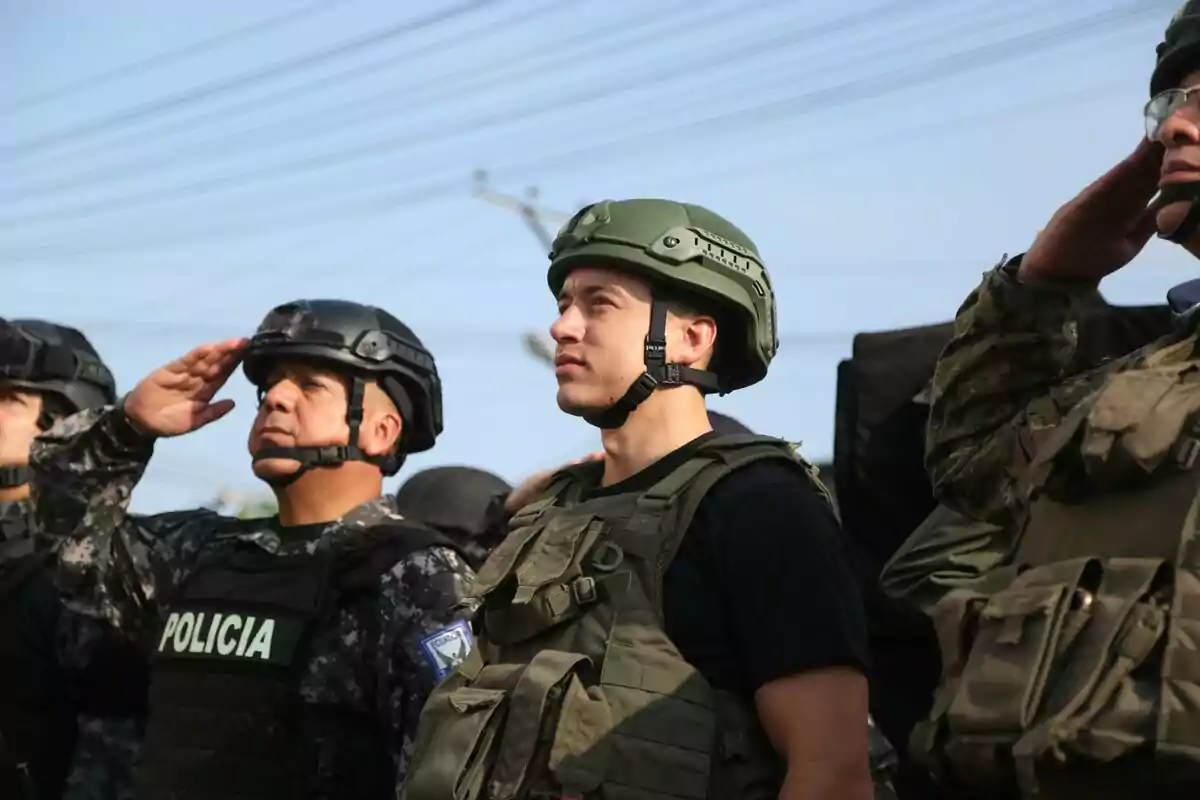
x: 1085, y: 661
x: 573, y: 688
x: 37, y: 715
x: 225, y: 716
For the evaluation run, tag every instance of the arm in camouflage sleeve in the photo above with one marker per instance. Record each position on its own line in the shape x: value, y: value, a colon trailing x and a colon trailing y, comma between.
x: 947, y: 551
x: 1012, y: 370
x: 424, y: 636
x: 84, y: 470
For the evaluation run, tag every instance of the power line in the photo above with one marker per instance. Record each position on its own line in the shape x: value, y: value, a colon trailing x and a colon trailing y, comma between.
x: 162, y: 59
x: 457, y: 129
x: 868, y: 88
x: 150, y: 108
x: 828, y: 98
x: 927, y: 130
x: 330, y: 81
x: 335, y: 116
x: 440, y: 132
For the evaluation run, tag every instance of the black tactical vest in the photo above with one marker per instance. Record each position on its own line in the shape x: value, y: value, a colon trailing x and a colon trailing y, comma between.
x: 574, y: 689
x: 37, y: 713
x: 226, y: 721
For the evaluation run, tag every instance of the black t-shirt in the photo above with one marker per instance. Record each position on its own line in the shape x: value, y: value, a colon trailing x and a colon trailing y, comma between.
x: 760, y: 588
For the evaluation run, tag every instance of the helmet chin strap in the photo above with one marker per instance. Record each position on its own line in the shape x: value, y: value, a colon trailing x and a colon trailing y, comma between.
x: 12, y: 477
x: 658, y: 373
x: 329, y: 455
x: 1183, y: 192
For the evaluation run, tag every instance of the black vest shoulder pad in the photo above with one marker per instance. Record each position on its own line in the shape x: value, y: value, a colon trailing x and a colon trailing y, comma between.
x: 383, y: 546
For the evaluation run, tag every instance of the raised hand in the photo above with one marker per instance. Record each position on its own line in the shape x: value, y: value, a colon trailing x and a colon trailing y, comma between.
x: 177, y: 398
x: 1105, y: 226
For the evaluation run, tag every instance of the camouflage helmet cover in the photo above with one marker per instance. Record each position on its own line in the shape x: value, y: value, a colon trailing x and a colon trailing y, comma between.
x: 1179, y: 51
x: 685, y: 246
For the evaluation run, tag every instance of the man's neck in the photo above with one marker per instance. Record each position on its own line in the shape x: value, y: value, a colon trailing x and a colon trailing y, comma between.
x: 324, y: 495
x: 665, y: 422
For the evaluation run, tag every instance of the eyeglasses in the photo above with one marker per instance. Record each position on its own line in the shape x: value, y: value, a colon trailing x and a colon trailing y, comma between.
x: 1162, y: 106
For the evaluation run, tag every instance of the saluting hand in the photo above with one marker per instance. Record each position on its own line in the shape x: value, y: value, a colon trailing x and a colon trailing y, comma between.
x: 1103, y: 227
x: 176, y: 399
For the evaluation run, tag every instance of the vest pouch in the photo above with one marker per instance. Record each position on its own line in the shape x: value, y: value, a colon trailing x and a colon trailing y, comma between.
x: 491, y: 739
x: 660, y: 741
x: 1019, y: 634
x: 457, y: 742
x: 1105, y: 700
x: 954, y: 621
x: 1179, y: 726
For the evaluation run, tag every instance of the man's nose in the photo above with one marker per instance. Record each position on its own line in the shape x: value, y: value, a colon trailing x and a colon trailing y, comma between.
x: 568, y: 327
x: 1181, y: 128
x: 281, y: 396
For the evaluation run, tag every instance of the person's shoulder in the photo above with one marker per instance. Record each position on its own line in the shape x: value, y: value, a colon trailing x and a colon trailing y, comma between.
x: 421, y: 565
x: 780, y: 480
x: 763, y: 504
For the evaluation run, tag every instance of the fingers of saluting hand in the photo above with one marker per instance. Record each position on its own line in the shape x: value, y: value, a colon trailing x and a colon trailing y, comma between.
x: 1124, y: 191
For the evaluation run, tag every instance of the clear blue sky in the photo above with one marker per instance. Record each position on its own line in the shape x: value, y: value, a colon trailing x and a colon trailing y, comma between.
x: 882, y: 162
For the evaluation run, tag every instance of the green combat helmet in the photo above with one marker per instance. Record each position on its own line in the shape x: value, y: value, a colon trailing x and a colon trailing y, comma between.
x: 677, y: 247
x: 1176, y: 56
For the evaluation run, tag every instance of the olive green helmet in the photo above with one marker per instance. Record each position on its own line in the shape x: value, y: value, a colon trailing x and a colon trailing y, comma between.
x: 1179, y: 52
x: 686, y: 246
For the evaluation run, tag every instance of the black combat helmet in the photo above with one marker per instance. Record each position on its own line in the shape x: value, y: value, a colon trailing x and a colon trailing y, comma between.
x: 364, y: 342
x: 62, y: 365
x: 457, y: 499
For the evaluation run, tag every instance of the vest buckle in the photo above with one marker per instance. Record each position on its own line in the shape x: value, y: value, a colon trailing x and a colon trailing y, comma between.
x: 583, y: 589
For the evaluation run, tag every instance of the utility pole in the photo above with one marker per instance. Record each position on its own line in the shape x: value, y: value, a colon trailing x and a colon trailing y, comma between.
x: 535, y: 217
x: 529, y: 209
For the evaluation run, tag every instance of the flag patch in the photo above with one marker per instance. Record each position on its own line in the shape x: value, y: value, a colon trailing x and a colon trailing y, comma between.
x: 447, y: 648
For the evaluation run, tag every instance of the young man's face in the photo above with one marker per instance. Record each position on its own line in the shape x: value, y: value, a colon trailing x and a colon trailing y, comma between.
x: 19, y: 412
x: 600, y: 333
x: 603, y: 319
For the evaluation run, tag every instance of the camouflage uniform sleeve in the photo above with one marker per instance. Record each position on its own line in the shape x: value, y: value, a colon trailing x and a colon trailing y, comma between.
x: 111, y: 562
x: 948, y: 551
x: 1012, y: 371
x: 424, y: 635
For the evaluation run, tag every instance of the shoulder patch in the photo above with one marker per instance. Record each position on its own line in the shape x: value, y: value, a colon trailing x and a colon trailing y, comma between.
x: 447, y: 648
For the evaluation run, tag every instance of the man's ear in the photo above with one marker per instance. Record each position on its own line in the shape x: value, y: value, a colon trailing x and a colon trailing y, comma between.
x: 699, y: 340
x: 382, y: 424
x: 385, y: 429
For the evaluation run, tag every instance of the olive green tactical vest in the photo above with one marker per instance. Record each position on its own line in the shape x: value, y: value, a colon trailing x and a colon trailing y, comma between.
x: 573, y: 688
x: 1086, y: 661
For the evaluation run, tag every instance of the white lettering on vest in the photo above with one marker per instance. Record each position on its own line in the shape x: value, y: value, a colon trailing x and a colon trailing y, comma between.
x: 225, y: 645
x: 248, y: 637
x: 197, y: 643
x: 183, y: 631
x: 245, y: 635
x: 262, y: 641
x: 168, y: 630
x: 212, y: 634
